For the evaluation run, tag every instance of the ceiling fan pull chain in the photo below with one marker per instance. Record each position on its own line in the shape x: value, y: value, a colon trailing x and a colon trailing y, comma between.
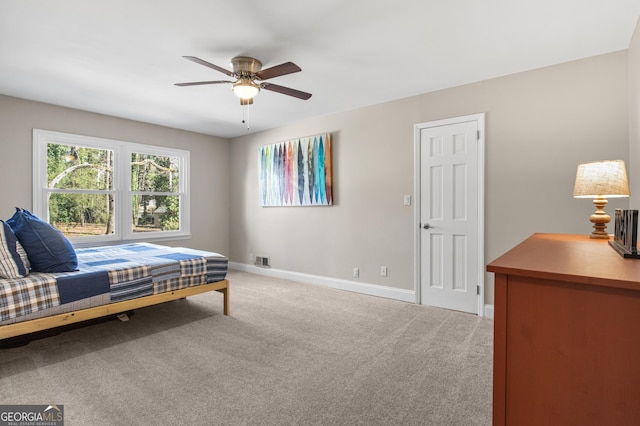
x: 245, y: 115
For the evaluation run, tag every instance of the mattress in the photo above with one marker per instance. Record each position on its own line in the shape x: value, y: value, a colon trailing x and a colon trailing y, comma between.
x: 108, y: 274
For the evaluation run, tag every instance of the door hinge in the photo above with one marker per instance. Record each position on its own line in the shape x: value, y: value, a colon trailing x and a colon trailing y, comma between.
x: 478, y: 134
x: 478, y: 290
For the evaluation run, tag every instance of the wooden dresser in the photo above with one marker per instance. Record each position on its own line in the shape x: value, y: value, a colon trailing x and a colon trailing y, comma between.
x: 567, y: 334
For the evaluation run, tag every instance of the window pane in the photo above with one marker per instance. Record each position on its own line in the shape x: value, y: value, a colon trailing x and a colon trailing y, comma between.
x: 154, y: 173
x: 77, y: 167
x: 152, y: 213
x: 81, y: 214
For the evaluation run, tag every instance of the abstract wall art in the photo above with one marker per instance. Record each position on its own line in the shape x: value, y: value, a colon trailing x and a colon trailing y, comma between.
x: 296, y: 172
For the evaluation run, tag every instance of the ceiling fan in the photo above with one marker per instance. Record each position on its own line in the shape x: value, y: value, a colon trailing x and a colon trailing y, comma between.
x: 249, y: 78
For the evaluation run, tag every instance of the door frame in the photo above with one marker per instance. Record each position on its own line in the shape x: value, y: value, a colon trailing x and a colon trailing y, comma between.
x: 480, y: 119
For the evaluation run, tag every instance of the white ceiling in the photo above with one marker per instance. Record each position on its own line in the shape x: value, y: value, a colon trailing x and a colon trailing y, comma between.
x: 122, y: 57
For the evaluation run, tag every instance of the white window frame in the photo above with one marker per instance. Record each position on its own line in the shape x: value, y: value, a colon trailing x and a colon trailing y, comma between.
x: 121, y: 185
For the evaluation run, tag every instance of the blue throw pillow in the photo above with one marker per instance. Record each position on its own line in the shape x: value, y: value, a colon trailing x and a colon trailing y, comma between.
x: 47, y: 248
x: 11, y: 263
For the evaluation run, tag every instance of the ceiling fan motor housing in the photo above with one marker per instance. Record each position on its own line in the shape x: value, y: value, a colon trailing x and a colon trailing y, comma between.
x: 246, y: 64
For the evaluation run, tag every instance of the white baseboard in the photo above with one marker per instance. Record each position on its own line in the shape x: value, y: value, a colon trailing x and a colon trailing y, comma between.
x: 488, y: 311
x: 354, y: 286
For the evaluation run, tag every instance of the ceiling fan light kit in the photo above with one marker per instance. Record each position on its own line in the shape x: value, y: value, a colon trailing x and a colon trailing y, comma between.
x: 245, y: 88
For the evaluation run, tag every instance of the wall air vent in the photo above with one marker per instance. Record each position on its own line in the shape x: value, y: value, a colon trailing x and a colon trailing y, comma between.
x: 262, y: 261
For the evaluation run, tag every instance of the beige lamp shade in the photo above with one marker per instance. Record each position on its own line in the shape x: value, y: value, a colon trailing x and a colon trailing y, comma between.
x: 606, y: 179
x: 601, y: 180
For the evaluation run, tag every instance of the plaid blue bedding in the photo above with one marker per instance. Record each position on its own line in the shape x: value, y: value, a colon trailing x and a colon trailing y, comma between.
x: 122, y: 272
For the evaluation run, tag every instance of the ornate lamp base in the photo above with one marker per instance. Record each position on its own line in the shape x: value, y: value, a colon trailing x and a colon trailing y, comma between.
x: 600, y: 219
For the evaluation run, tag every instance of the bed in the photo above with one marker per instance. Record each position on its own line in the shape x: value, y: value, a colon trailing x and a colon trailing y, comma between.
x: 109, y: 280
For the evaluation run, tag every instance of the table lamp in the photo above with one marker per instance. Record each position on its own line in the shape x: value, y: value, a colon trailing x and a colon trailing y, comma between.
x: 601, y: 180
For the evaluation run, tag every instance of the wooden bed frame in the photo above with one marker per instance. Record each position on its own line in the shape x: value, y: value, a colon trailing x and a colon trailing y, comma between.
x: 58, y: 320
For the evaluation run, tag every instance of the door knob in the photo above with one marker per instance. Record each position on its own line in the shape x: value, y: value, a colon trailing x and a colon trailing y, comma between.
x: 426, y: 226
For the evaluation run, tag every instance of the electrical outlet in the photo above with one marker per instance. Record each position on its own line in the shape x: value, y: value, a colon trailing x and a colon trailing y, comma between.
x: 383, y: 271
x: 356, y: 272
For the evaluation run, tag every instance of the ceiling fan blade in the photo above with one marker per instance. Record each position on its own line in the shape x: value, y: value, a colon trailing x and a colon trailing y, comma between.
x: 278, y: 70
x: 210, y: 65
x: 286, y: 91
x: 197, y: 83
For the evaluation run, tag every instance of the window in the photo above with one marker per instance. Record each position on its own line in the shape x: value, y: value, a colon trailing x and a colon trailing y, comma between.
x: 97, y: 190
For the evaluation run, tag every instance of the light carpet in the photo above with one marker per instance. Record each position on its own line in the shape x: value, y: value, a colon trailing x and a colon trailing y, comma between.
x: 289, y: 354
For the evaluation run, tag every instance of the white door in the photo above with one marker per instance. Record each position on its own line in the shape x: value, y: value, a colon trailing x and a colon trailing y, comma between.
x: 451, y: 256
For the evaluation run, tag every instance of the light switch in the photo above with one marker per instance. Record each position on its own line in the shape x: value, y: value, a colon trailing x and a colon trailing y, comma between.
x: 407, y: 200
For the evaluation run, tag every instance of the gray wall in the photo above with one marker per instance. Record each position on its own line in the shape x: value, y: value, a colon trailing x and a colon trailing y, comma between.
x: 539, y: 126
x: 634, y: 117
x: 209, y: 161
